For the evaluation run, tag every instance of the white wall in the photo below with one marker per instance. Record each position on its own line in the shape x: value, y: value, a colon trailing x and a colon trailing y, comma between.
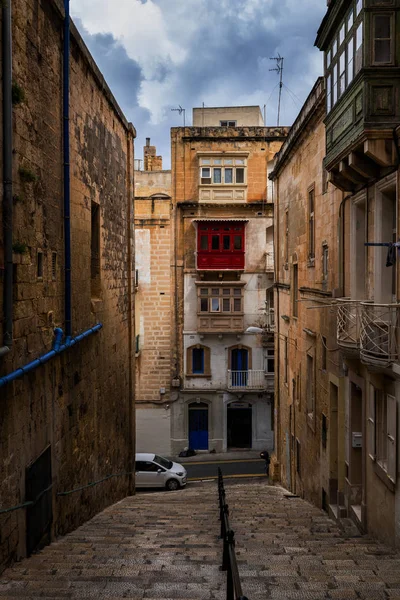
x: 153, y: 430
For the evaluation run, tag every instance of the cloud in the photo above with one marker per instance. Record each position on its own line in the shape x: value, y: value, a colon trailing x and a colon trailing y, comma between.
x: 157, y: 54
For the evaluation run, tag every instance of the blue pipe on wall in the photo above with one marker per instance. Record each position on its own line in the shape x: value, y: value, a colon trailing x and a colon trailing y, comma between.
x: 67, y: 196
x: 58, y: 348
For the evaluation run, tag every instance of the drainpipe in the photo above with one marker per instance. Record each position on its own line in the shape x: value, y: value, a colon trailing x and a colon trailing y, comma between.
x: 7, y: 179
x: 67, y: 192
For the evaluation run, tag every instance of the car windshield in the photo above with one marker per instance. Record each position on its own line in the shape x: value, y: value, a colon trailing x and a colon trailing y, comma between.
x: 163, y: 462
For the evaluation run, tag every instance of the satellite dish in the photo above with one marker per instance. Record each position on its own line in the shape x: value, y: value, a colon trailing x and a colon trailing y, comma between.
x: 254, y: 330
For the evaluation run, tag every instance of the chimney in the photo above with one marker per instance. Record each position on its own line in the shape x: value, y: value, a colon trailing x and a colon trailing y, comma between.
x: 147, y: 142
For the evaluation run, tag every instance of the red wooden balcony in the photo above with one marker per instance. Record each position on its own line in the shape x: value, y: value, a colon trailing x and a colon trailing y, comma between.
x: 221, y: 245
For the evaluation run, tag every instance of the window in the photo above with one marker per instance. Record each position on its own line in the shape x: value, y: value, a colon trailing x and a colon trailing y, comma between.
x: 198, y: 361
x: 359, y: 47
x: 311, y: 224
x: 227, y: 123
x: 270, y: 360
x: 295, y: 307
x: 310, y: 386
x: 39, y: 265
x: 95, y: 249
x: 324, y: 430
x: 325, y: 256
x: 298, y: 463
x: 222, y: 171
x: 382, y: 48
x: 323, y: 353
x: 223, y: 299
x: 344, y: 58
x: 286, y: 236
x: 382, y: 426
x: 286, y: 360
x: 220, y: 245
x: 53, y: 265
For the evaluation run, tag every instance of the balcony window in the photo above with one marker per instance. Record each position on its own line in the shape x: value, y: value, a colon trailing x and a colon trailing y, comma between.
x: 359, y: 47
x: 220, y: 245
x: 382, y: 434
x: 222, y: 171
x: 198, y: 361
x: 358, y: 7
x: 342, y: 73
x: 224, y: 300
x: 382, y: 42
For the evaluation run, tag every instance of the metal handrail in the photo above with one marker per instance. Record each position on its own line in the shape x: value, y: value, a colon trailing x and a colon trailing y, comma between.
x: 229, y: 563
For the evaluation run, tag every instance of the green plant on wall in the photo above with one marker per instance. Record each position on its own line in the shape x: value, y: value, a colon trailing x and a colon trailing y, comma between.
x: 20, y: 247
x: 27, y: 175
x: 18, y: 94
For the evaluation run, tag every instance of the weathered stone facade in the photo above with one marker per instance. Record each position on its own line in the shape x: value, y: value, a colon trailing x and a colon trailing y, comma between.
x: 209, y: 402
x: 80, y: 403
x: 153, y: 309
x: 305, y: 342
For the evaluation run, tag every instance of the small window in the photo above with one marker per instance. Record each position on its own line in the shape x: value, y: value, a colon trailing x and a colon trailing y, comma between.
x: 39, y: 265
x: 328, y: 93
x: 198, y: 360
x: 342, y: 73
x: 350, y: 20
x: 382, y: 39
x: 204, y: 305
x: 358, y: 7
x: 325, y: 256
x: 324, y: 431
x: 237, y: 242
x: 227, y: 123
x: 359, y: 48
x: 310, y: 386
x: 95, y: 249
x: 239, y: 175
x: 204, y: 292
x: 226, y: 304
x: 311, y: 224
x: 335, y: 84
x: 226, y: 242
x: 334, y: 48
x: 203, y: 242
x: 217, y: 173
x: 237, y: 305
x: 228, y: 175
x: 323, y: 353
x: 205, y: 175
x: 215, y: 242
x: 295, y: 308
x: 214, y: 304
x: 341, y: 34
x: 54, y: 265
x: 350, y: 61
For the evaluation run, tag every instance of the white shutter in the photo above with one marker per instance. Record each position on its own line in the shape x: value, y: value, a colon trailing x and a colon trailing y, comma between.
x: 392, y: 437
x: 371, y: 423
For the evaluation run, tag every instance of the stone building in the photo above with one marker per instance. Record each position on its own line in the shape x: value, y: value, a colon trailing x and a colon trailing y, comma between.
x: 307, y: 374
x: 339, y: 424
x: 153, y: 304
x: 360, y: 41
x: 67, y: 310
x: 222, y: 280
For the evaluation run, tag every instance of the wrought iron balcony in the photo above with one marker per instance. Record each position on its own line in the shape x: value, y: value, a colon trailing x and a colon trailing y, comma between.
x: 247, y: 380
x: 379, y: 336
x: 348, y: 325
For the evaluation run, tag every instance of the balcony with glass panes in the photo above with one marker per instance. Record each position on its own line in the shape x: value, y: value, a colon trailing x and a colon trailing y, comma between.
x: 362, y: 78
x: 220, y: 307
x: 220, y: 245
x: 223, y: 177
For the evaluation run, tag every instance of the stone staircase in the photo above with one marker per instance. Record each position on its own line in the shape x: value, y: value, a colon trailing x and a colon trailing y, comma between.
x: 164, y: 545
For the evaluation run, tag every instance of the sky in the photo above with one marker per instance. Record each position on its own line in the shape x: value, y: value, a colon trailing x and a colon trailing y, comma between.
x: 157, y: 55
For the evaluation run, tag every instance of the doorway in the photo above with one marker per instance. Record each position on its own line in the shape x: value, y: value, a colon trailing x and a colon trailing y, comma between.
x: 239, y: 425
x: 356, y: 447
x: 39, y: 516
x: 239, y: 366
x: 198, y: 426
x: 333, y: 444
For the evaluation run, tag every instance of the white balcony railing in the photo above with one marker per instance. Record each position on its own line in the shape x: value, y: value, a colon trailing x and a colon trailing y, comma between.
x: 269, y: 262
x: 246, y: 380
x: 270, y: 319
x: 348, y: 324
x: 379, y: 336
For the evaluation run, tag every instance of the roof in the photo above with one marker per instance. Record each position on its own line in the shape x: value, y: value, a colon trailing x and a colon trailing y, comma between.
x: 219, y: 220
x: 144, y: 456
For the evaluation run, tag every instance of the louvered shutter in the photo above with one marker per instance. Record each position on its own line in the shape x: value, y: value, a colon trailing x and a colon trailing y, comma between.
x: 392, y: 437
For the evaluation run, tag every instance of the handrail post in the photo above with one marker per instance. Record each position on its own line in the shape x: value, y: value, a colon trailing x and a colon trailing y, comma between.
x: 230, y: 543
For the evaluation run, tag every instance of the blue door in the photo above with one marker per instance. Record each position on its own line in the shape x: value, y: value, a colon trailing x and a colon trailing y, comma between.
x: 240, y: 365
x: 198, y: 426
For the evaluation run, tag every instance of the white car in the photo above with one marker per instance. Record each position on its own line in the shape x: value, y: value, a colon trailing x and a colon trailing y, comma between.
x: 156, y: 471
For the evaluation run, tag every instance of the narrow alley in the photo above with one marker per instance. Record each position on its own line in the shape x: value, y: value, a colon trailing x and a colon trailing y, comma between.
x: 164, y: 545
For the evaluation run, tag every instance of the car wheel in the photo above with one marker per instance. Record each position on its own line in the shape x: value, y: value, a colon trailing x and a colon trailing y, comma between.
x: 172, y: 484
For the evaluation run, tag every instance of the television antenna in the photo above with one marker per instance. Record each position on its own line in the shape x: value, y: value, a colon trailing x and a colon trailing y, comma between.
x: 279, y: 69
x: 180, y: 110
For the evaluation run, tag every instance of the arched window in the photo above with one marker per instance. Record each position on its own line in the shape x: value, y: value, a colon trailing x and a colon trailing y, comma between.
x: 198, y: 361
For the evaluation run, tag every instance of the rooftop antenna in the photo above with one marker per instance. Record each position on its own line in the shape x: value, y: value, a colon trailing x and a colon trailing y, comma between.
x: 279, y: 69
x: 265, y: 115
x: 181, y: 110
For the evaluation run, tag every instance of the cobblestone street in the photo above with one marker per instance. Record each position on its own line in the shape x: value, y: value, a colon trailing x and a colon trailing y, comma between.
x: 164, y: 545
